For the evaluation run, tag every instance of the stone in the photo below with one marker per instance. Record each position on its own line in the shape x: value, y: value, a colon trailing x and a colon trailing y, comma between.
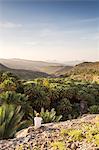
x: 30, y: 129
x: 22, y: 133
x: 44, y: 145
x: 73, y: 146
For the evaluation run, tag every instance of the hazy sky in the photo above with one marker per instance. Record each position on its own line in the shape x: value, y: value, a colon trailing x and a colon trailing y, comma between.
x: 49, y: 30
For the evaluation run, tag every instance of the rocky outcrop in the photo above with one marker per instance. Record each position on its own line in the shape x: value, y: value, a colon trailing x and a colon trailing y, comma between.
x: 41, y: 139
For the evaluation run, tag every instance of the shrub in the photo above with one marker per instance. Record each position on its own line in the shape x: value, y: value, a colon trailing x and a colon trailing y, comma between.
x: 64, y: 132
x: 58, y: 145
x: 49, y: 116
x: 17, y: 99
x: 92, y: 132
x: 96, y: 137
x: 94, y: 109
x: 64, y: 107
x: 10, y: 120
x: 76, y: 135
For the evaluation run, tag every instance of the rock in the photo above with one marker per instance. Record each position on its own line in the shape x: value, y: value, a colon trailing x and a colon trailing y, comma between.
x: 21, y: 133
x: 68, y: 145
x: 73, y: 146
x: 44, y: 146
x: 30, y: 129
x: 77, y: 144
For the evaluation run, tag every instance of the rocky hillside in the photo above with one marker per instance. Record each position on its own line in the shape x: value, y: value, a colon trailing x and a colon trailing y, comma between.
x: 85, y: 68
x: 85, y: 71
x: 77, y: 134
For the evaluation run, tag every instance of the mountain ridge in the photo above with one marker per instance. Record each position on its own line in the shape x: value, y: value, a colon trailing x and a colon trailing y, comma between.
x: 41, y: 66
x: 23, y: 74
x: 53, y: 69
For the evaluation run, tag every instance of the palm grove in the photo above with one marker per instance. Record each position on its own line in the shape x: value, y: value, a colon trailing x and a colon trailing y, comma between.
x: 54, y: 98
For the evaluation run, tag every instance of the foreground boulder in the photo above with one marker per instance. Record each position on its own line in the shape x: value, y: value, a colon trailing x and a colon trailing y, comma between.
x: 67, y: 135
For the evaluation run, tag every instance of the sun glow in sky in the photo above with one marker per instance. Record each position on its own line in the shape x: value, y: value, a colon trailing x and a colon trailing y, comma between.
x: 49, y: 30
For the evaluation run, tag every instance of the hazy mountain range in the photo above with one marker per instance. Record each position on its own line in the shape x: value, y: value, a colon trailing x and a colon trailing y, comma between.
x: 23, y: 74
x: 28, y: 69
x: 40, y: 66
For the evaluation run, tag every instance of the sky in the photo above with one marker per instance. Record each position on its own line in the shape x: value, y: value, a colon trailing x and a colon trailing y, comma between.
x: 49, y: 30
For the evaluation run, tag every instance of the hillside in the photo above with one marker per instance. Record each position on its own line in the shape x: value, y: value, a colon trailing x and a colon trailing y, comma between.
x: 2, y: 67
x: 56, y: 70
x: 41, y: 66
x: 26, y: 64
x: 86, y: 67
x: 23, y: 74
x: 63, y: 70
x: 76, y: 134
x: 85, y: 70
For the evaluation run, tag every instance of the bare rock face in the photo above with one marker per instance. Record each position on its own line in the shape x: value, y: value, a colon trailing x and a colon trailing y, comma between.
x: 41, y: 139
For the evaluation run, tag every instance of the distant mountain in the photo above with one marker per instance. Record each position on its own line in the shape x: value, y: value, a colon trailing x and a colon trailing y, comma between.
x: 23, y: 74
x: 73, y: 63
x: 26, y: 64
x: 2, y: 67
x: 40, y: 66
x: 67, y: 63
x: 28, y: 69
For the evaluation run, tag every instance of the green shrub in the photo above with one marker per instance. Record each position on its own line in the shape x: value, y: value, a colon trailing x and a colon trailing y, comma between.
x: 64, y: 132
x: 96, y: 137
x: 76, y: 135
x: 94, y: 109
x: 49, y: 116
x: 92, y: 134
x: 18, y: 99
x: 88, y: 132
x: 64, y: 107
x: 10, y: 121
x: 58, y: 145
